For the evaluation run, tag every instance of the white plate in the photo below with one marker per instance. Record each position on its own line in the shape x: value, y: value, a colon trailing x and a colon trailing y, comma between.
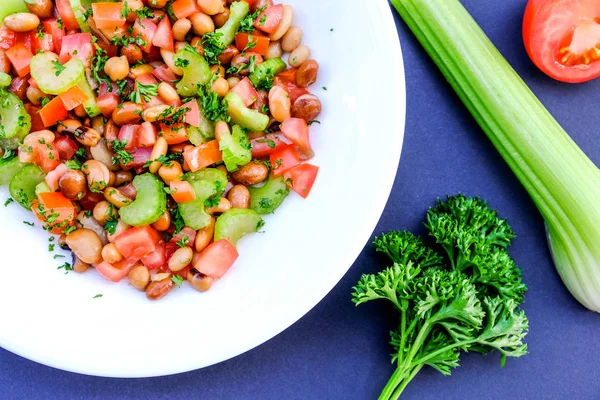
x: 308, y: 245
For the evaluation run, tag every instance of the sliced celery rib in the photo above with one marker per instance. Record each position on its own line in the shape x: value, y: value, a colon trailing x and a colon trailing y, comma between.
x: 562, y: 181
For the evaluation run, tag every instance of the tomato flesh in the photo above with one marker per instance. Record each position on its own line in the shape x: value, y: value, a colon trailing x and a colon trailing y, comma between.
x: 562, y: 38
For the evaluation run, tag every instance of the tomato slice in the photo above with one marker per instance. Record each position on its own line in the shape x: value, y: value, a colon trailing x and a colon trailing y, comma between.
x: 146, y: 30
x: 217, y: 258
x: 263, y: 146
x: 42, y: 42
x: 284, y: 159
x: 157, y: 258
x: 296, y: 130
x: 20, y: 57
x: 36, y: 121
x: 66, y: 14
x: 301, y: 178
x: 7, y: 38
x: 268, y: 21
x: 146, y: 135
x: 77, y: 45
x: 66, y: 146
x: 164, y: 35
x: 128, y: 134
x: 185, y: 8
x: 108, y: 15
x: 246, y: 91
x: 174, y: 134
x: 108, y: 103
x: 203, y: 156
x: 51, y: 27
x: 182, y: 191
x: 73, y: 97
x: 137, y: 242
x: 258, y: 44
x: 116, y: 272
x: 192, y: 117
x: 55, y: 211
x: 53, y: 112
x: 562, y: 38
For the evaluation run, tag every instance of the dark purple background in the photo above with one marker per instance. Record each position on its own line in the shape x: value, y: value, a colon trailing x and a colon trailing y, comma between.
x: 338, y: 351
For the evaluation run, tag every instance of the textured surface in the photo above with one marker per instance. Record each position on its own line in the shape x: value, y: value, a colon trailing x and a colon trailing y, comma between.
x: 340, y: 352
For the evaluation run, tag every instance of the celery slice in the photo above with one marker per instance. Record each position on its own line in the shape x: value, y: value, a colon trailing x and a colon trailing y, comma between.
x: 54, y: 78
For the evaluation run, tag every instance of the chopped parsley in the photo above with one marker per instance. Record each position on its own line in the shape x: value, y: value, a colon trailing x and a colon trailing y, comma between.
x: 246, y: 25
x: 177, y: 220
x: 212, y: 201
x: 269, y: 142
x: 28, y: 223
x: 314, y: 121
x: 177, y: 279
x: 213, y: 107
x: 184, y: 241
x: 8, y: 201
x: 212, y: 46
x: 121, y: 155
x: 58, y: 256
x: 67, y: 267
x: 97, y: 296
x: 51, y: 247
x: 58, y: 67
x: 111, y: 225
x: 143, y: 91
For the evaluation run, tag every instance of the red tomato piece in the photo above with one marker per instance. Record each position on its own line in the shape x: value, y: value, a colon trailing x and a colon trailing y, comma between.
x: 203, y: 156
x: 217, y: 258
x: 42, y: 42
x: 18, y: 87
x: 174, y: 134
x: 264, y: 146
x: 26, y: 39
x: 20, y: 57
x: 129, y: 134
x: 53, y: 176
x: 137, y: 242
x: 165, y: 74
x: 296, y: 130
x: 258, y: 44
x: 77, y: 45
x: 157, y: 258
x: 287, y: 76
x: 73, y: 97
x: 164, y: 35
x: 111, y: 50
x: 284, y: 159
x: 4, y: 62
x: 293, y: 90
x: 55, y: 211
x: 51, y: 27
x: 66, y: 14
x: 108, y: 15
x: 268, y: 21
x: 66, y: 146
x: 182, y: 191
x: 53, y: 112
x: 116, y: 272
x: 7, y: 38
x: 36, y: 121
x: 562, y: 38
x: 185, y: 8
x: 47, y: 157
x: 146, y: 30
x: 192, y: 117
x: 146, y: 135
x: 108, y: 103
x: 301, y: 178
x: 246, y: 91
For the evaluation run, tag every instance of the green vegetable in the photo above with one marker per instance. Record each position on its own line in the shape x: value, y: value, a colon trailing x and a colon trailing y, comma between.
x: 90, y: 105
x: 207, y: 183
x: 244, y: 116
x: 204, y: 133
x: 5, y: 79
x: 209, y: 174
x: 266, y: 199
x: 8, y: 169
x: 196, y: 71
x: 562, y: 181
x: 237, y: 223
x: 78, y: 10
x: 54, y: 78
x: 150, y: 203
x: 467, y: 300
x: 226, y: 34
x: 8, y: 7
x: 22, y: 185
x: 15, y: 122
x: 41, y: 187
x: 263, y: 74
x: 236, y: 148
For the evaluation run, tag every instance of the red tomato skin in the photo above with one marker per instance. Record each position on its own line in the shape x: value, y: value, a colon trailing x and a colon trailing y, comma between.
x: 66, y: 14
x: 116, y: 272
x: 20, y: 57
x: 90, y: 199
x: 164, y: 35
x: 108, y: 103
x: 192, y: 117
x: 51, y: 27
x: 7, y: 38
x: 284, y: 159
x: 146, y: 135
x: 137, y: 242
x: 4, y: 62
x: 81, y: 43
x: 301, y: 178
x: 246, y: 91
x: 165, y: 74
x: 185, y: 8
x: 296, y: 130
x: 53, y: 112
x: 217, y: 258
x: 157, y: 258
x: 274, y: 15
x: 42, y: 42
x: 261, y: 148
x: 66, y: 147
x: 262, y: 42
x: 128, y: 134
x: 47, y: 156
x: 146, y: 29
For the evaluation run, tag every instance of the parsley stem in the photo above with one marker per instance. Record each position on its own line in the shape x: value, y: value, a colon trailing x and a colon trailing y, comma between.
x: 406, y: 381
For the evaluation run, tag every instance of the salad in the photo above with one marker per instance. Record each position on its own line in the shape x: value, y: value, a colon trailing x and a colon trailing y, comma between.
x: 152, y: 135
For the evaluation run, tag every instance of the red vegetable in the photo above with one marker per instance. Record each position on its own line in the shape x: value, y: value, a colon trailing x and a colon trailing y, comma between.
x: 146, y: 30
x: 296, y: 130
x: 77, y: 45
x: 203, y: 156
x: 263, y: 146
x: 301, y: 178
x: 20, y: 57
x: 53, y: 112
x: 246, y: 91
x: 284, y: 159
x: 185, y: 8
x: 108, y: 15
x: 137, y: 242
x: 268, y: 21
x: 67, y: 15
x: 164, y: 35
x: 73, y: 97
x: 262, y: 42
x: 217, y: 258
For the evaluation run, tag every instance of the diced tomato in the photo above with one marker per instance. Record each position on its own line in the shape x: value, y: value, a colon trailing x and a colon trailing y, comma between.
x: 146, y: 30
x: 4, y: 62
x: 192, y: 117
x: 268, y: 21
x: 53, y: 112
x: 146, y: 79
x: 182, y: 191
x: 165, y: 74
x: 287, y: 76
x: 42, y: 42
x: 51, y: 27
x: 18, y: 87
x: 26, y: 39
x: 108, y: 15
x: 66, y: 14
x: 66, y: 146
x: 250, y: 2
x: 36, y: 121
x: 146, y: 135
x: 293, y: 90
x: 174, y: 134
x: 164, y: 35
x: 90, y: 199
x: 7, y: 38
x: 108, y: 103
x: 116, y: 272
x: 246, y: 91
x: 284, y: 159
x: 77, y: 45
x: 47, y: 157
x: 33, y: 83
x: 20, y: 57
x: 137, y: 242
x: 111, y: 50
x: 128, y: 134
x: 264, y: 146
x: 73, y: 97
x: 217, y: 258
x: 296, y: 130
x: 301, y: 178
x: 53, y: 176
x: 157, y: 258
x: 55, y: 211
x: 185, y: 8
x: 202, y: 156
x: 258, y: 44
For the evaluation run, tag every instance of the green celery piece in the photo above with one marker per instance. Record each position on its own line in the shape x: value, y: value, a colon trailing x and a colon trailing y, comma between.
x: 43, y: 70
x: 562, y: 181
x: 15, y: 122
x: 226, y: 34
x: 244, y: 116
x: 78, y: 10
x: 209, y: 174
x: 194, y: 213
x: 90, y: 105
x: 150, y: 203
x: 204, y: 133
x: 22, y: 185
x: 5, y: 79
x: 236, y: 148
x: 8, y: 169
x: 237, y: 223
x: 265, y: 71
x: 8, y: 7
x: 266, y: 199
x: 196, y: 71
x: 41, y: 187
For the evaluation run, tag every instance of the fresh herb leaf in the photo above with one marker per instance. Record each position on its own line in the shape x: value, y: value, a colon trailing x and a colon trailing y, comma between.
x: 98, y: 296
x: 177, y: 280
x: 58, y: 67
x: 184, y: 241
x: 8, y: 201
x: 66, y: 267
x: 121, y: 155
x: 28, y: 223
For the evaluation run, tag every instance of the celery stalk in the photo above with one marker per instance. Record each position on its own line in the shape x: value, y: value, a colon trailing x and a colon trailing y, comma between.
x: 562, y: 181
